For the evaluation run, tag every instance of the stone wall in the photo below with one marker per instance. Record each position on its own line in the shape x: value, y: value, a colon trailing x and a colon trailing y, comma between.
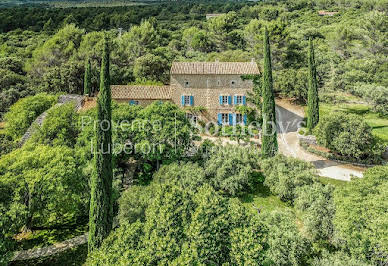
x: 310, y: 139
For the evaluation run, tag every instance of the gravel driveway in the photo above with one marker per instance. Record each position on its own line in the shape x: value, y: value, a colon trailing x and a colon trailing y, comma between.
x: 290, y: 118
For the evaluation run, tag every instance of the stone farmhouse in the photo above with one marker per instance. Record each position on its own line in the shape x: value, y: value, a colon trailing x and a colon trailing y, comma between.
x: 208, y: 91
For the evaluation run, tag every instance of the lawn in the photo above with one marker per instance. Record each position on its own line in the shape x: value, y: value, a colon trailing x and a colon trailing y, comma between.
x: 261, y: 198
x: 378, y: 123
x: 334, y: 182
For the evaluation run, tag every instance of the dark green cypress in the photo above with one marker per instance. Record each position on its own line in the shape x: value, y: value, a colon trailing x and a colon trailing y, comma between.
x: 269, y: 135
x: 312, y: 94
x: 88, y: 78
x: 101, y: 213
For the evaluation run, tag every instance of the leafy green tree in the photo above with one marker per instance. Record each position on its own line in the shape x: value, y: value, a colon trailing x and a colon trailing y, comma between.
x: 50, y: 67
x: 221, y: 29
x: 120, y: 247
x: 292, y: 83
x: 151, y: 67
x: 42, y: 186
x: 312, y: 94
x: 188, y: 175
x: 247, y: 237
x: 167, y: 218
x: 232, y: 170
x: 25, y: 111
x: 197, y: 39
x: 337, y: 259
x: 208, y: 230
x: 88, y: 78
x: 59, y: 127
x: 269, y: 136
x: 317, y: 205
x: 286, y: 245
x: 101, y: 204
x: 133, y: 203
x: 284, y: 175
x: 162, y: 133
x: 361, y: 216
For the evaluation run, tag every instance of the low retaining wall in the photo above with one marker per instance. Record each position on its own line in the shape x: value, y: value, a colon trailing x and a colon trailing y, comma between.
x: 310, y: 139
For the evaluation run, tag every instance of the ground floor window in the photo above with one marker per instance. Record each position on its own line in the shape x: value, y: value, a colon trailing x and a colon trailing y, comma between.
x: 239, y: 119
x: 133, y: 102
x: 225, y: 118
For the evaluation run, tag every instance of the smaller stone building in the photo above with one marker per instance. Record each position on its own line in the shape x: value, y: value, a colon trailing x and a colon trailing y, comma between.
x: 208, y: 91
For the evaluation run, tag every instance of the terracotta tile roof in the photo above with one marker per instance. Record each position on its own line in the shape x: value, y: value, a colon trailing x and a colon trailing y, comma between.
x: 139, y: 92
x: 217, y: 68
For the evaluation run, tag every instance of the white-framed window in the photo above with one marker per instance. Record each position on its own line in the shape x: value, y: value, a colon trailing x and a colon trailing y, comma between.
x: 239, y: 99
x: 239, y: 119
x: 224, y: 99
x: 187, y: 84
x: 225, y: 118
x: 187, y: 100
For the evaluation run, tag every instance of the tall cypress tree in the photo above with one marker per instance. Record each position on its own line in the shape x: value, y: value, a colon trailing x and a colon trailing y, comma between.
x: 269, y: 136
x: 88, y: 78
x: 312, y: 94
x: 101, y: 213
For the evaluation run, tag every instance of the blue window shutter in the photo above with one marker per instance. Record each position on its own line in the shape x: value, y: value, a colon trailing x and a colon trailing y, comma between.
x: 219, y: 119
x: 231, y: 119
x: 191, y: 100
x: 244, y: 100
x: 183, y: 100
x: 235, y: 99
x: 229, y: 100
x: 234, y: 119
x: 245, y: 118
x: 220, y: 99
x: 131, y: 102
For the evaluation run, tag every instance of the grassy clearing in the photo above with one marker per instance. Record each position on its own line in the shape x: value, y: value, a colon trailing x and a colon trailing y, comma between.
x: 379, y: 124
x: 261, y: 198
x: 334, y: 182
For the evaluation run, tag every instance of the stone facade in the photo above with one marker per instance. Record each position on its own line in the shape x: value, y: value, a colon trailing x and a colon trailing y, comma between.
x: 198, y: 84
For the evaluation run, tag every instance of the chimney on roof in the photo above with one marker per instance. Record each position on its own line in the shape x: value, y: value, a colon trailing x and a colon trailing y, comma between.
x: 217, y: 60
x: 253, y: 60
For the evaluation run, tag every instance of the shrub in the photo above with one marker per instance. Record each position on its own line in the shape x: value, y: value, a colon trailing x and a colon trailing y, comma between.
x: 25, y: 111
x: 284, y: 175
x: 349, y: 136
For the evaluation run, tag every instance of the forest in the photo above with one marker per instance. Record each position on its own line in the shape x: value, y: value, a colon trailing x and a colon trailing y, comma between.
x: 199, y: 204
